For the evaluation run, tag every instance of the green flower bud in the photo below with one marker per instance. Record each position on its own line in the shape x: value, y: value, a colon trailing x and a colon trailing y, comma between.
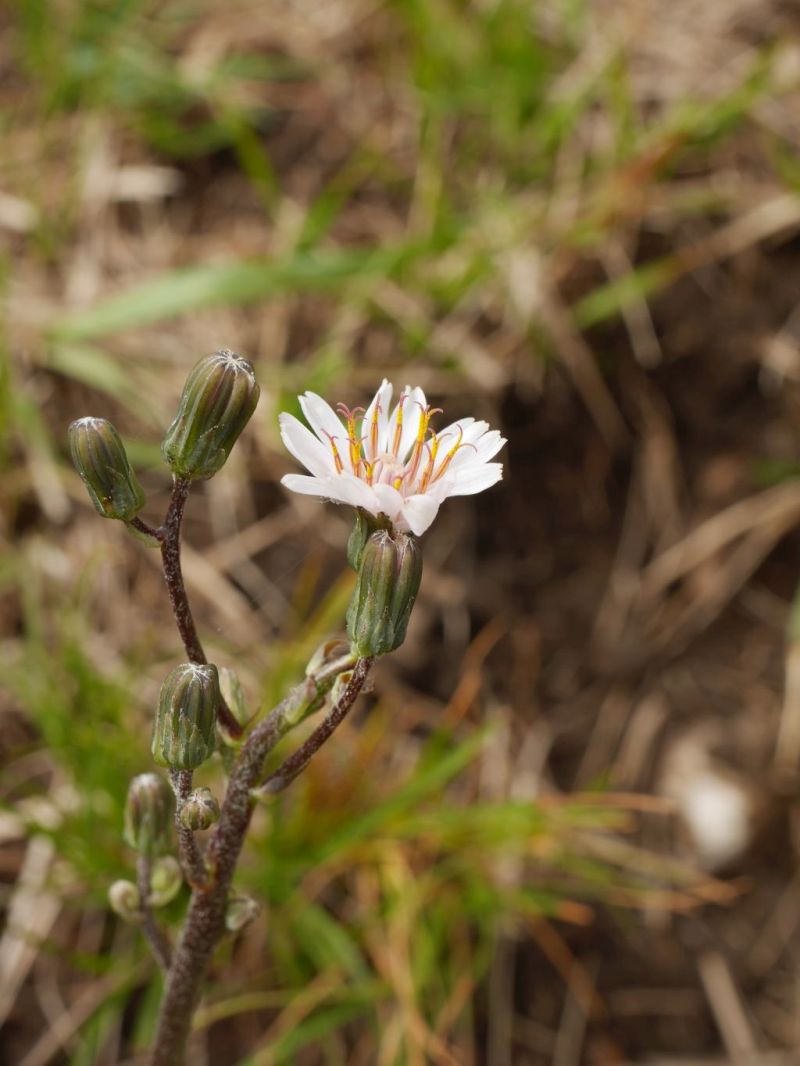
x: 386, y: 587
x: 166, y: 879
x: 148, y: 814
x: 183, y: 731
x: 99, y: 457
x: 124, y: 900
x: 200, y: 810
x: 365, y: 525
x: 240, y: 911
x: 217, y: 401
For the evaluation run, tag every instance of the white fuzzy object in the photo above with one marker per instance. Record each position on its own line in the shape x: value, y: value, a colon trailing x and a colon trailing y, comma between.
x: 715, y: 806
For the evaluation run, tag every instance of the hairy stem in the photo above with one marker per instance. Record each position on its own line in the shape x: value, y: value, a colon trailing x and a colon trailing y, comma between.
x: 144, y: 528
x: 297, y: 762
x: 156, y: 937
x: 170, y: 536
x: 194, y: 867
x: 205, y: 921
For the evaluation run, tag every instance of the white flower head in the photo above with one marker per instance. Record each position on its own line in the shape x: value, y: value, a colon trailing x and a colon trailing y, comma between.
x: 389, y: 462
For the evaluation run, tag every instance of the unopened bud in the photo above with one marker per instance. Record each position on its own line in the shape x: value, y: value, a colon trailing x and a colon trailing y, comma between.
x: 200, y: 810
x: 386, y: 588
x: 364, y: 526
x: 219, y: 397
x: 124, y: 900
x: 166, y: 879
x: 183, y: 732
x: 148, y: 814
x: 99, y: 457
x: 231, y: 688
x: 241, y: 911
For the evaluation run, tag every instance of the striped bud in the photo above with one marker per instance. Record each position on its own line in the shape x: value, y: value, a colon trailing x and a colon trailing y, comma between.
x: 218, y: 399
x: 148, y: 814
x: 364, y: 526
x: 183, y: 732
x: 99, y: 457
x: 200, y: 811
x: 386, y: 588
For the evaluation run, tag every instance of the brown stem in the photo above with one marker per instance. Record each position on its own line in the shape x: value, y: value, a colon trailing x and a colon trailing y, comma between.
x: 297, y: 762
x: 156, y: 937
x: 194, y: 867
x: 144, y: 527
x: 205, y: 921
x: 170, y: 536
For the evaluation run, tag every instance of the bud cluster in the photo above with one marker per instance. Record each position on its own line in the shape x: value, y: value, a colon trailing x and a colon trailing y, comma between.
x: 217, y: 401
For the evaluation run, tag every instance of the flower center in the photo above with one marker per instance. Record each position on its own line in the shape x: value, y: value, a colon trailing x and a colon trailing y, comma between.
x: 411, y: 471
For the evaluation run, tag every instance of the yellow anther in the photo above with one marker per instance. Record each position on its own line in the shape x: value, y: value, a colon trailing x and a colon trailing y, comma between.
x: 433, y: 448
x: 449, y: 457
x: 398, y: 426
x: 337, y: 459
x: 419, y: 444
x: 373, y: 432
x: 354, y: 440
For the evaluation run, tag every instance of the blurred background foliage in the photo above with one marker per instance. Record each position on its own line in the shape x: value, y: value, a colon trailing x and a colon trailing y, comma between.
x: 574, y: 218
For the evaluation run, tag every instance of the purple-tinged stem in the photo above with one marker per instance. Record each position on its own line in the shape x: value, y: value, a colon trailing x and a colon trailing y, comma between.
x: 144, y: 527
x: 281, y: 778
x: 192, y: 862
x: 205, y: 921
x: 170, y: 536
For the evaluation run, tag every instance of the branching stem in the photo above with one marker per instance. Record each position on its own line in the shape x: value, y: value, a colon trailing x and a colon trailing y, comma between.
x: 170, y: 536
x: 205, y: 921
x: 143, y: 527
x: 192, y: 861
x: 297, y: 762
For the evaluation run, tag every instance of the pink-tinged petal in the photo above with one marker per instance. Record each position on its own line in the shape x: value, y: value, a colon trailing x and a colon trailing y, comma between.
x: 418, y: 512
x: 305, y: 447
x: 323, y: 419
x: 389, y: 500
x: 475, y: 479
x: 382, y: 400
